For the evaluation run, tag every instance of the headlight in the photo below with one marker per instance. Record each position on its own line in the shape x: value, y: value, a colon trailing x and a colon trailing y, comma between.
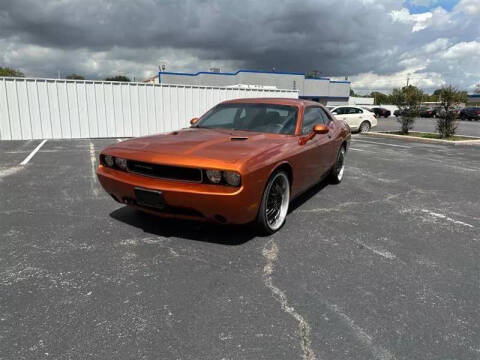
x: 231, y: 178
x: 108, y: 160
x: 215, y: 176
x: 121, y: 163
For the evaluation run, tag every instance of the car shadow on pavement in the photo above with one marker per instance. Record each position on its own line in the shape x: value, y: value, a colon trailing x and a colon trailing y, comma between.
x: 307, y: 195
x: 191, y: 230
x: 201, y: 231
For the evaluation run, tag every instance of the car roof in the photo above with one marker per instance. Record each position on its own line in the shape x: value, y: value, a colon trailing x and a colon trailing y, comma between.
x: 274, y: 101
x: 354, y: 106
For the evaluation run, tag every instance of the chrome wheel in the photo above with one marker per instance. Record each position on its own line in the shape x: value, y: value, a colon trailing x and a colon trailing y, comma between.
x: 340, y: 166
x: 278, y: 198
x: 364, y: 127
x: 336, y: 174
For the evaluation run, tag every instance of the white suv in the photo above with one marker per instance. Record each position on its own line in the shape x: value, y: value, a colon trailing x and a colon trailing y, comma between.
x: 359, y: 119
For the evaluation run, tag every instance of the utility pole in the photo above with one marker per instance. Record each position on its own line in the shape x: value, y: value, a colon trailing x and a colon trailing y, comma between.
x: 408, y: 79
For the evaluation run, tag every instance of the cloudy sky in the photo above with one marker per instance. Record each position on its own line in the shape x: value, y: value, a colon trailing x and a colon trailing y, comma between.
x: 377, y: 43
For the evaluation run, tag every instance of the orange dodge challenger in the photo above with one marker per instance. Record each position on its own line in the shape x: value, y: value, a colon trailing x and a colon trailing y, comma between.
x: 243, y: 161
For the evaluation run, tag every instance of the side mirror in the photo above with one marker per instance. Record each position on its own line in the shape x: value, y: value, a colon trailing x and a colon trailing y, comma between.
x: 317, y: 129
x: 320, y: 129
x: 194, y: 121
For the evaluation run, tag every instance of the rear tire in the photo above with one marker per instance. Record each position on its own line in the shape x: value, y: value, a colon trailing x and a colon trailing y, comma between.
x: 275, y: 201
x: 336, y: 174
x: 364, y: 127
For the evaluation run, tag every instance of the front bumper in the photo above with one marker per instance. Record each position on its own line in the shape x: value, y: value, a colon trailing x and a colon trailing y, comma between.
x: 186, y: 200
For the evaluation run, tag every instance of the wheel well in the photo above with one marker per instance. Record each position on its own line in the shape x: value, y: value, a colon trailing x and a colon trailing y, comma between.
x: 288, y: 169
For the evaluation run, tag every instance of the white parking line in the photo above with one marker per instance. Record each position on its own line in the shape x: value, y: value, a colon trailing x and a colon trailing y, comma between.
x: 357, y: 149
x: 445, y: 217
x: 32, y: 154
x: 382, y: 143
x: 93, y: 180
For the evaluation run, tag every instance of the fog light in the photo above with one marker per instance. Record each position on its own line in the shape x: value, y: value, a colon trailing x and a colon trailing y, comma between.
x: 121, y: 163
x: 108, y: 160
x: 215, y: 176
x: 231, y: 178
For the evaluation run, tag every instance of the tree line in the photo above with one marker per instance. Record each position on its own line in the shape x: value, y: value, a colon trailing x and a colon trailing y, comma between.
x: 385, y: 99
x: 9, y: 72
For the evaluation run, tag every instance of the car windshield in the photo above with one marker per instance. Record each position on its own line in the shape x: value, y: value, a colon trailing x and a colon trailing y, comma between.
x: 265, y: 118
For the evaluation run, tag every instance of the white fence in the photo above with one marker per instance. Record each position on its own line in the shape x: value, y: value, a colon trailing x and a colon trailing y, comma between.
x: 59, y: 109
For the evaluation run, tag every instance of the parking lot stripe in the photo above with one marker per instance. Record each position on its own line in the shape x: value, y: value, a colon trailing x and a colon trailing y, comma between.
x: 382, y: 143
x: 94, y: 175
x: 357, y: 149
x: 32, y: 154
x: 445, y: 217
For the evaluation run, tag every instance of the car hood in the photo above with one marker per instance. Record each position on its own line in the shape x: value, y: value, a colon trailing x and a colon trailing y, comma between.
x: 192, y: 144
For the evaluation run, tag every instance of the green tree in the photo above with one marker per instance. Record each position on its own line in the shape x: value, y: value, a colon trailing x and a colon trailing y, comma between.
x: 121, y: 78
x: 380, y: 98
x: 75, y: 77
x: 352, y: 93
x: 408, y: 99
x: 9, y: 72
x: 450, y: 98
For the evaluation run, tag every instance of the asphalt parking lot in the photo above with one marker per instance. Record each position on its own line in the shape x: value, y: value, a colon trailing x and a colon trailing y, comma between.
x: 383, y: 266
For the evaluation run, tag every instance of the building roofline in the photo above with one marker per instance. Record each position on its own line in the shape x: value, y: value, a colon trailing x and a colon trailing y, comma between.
x: 249, y: 71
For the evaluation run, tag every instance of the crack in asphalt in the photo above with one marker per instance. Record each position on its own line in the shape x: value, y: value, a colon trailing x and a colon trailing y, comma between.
x: 270, y: 254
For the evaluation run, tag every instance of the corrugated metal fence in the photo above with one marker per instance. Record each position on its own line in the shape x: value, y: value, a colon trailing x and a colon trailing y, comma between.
x: 59, y: 109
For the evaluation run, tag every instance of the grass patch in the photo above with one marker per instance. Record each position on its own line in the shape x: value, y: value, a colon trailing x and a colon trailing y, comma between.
x: 426, y: 135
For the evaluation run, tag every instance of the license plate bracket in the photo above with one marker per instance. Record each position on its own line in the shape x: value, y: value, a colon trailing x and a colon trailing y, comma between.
x: 150, y: 198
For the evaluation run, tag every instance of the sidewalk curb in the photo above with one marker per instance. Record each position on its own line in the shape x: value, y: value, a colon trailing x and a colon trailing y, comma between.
x: 422, y: 140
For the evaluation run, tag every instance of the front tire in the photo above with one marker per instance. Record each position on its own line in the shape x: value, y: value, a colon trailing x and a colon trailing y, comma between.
x: 336, y: 174
x: 364, y: 127
x: 275, y: 201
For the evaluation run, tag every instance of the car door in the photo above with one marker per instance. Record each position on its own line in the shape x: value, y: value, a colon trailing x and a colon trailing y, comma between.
x: 311, y: 160
x: 348, y: 115
x: 356, y: 116
x: 330, y: 143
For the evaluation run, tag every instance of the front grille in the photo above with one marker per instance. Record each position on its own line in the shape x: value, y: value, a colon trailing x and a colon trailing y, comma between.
x: 165, y: 171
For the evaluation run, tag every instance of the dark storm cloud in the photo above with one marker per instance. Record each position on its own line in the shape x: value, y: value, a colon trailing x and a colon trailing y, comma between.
x: 336, y: 37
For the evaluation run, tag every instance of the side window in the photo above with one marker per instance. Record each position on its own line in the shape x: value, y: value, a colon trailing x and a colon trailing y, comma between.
x: 325, y: 117
x: 340, y: 111
x: 311, y: 116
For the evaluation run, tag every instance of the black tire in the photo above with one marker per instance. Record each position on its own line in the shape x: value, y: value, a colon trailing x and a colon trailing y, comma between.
x: 364, y: 127
x: 336, y: 174
x: 267, y: 224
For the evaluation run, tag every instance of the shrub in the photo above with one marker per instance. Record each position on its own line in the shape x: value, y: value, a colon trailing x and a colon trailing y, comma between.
x: 408, y: 100
x: 450, y: 98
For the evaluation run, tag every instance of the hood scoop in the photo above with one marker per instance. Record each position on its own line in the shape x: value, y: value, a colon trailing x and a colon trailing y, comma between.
x: 238, y: 138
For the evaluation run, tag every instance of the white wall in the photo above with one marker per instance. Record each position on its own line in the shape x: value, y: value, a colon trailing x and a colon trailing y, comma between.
x: 361, y: 101
x: 59, y: 109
